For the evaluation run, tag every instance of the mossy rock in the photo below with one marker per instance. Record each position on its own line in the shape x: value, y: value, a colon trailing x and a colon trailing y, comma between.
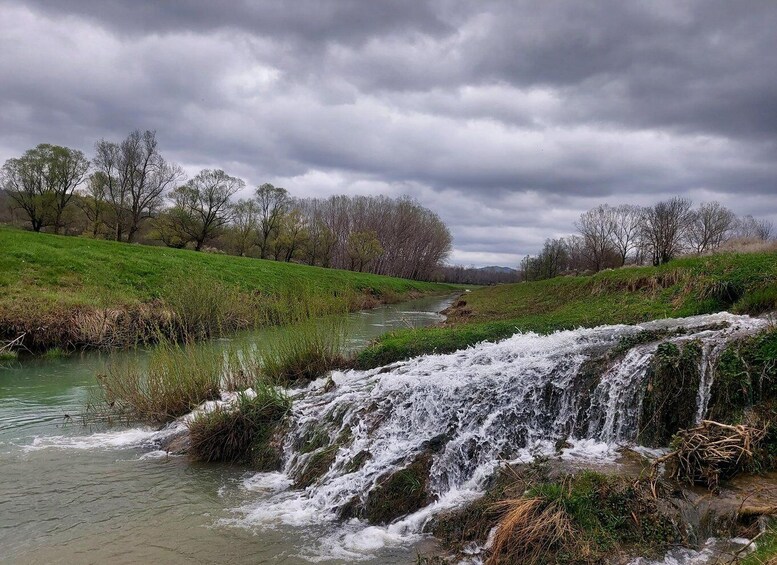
x: 401, y: 493
x: 673, y: 381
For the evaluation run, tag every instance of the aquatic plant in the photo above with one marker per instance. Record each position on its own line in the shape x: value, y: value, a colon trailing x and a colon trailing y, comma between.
x: 176, y: 379
x: 300, y: 353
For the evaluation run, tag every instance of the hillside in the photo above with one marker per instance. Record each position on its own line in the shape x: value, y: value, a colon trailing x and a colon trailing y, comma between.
x: 742, y: 283
x: 45, y: 280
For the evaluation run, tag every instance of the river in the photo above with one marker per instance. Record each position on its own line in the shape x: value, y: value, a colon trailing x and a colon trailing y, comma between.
x: 69, y: 494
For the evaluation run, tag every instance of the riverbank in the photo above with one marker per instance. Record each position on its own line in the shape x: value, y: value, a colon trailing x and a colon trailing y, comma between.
x: 73, y: 292
x: 738, y: 283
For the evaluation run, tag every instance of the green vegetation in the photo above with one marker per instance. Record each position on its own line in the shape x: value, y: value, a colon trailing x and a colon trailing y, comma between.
x: 765, y: 550
x: 570, y: 518
x: 244, y: 432
x: 303, y: 352
x: 402, y: 493
x: 740, y: 283
x: 177, y: 379
x: 673, y: 379
x: 72, y: 291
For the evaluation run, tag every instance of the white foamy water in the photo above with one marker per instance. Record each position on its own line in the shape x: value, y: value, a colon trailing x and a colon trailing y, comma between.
x: 475, y: 410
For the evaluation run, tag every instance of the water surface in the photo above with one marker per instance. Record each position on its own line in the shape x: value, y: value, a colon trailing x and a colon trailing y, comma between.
x: 69, y: 494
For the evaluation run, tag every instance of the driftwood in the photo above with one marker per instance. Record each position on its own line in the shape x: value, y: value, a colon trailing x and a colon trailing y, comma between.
x: 10, y: 344
x: 757, y: 511
x: 710, y: 452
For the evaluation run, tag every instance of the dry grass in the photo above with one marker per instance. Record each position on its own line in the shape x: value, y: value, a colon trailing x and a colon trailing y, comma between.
x: 176, y: 379
x: 529, y: 531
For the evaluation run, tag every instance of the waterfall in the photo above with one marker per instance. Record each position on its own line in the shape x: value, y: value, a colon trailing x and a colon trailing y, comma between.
x: 470, y: 411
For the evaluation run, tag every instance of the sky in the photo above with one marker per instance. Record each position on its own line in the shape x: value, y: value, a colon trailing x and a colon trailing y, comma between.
x: 506, y: 118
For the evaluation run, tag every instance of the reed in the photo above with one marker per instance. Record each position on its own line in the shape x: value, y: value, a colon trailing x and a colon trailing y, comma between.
x: 176, y: 379
x: 300, y: 353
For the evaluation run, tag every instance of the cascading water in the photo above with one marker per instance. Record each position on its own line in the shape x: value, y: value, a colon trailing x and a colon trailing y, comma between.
x: 469, y: 411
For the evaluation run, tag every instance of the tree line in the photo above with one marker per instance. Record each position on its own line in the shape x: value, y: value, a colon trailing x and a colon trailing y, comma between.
x: 609, y: 237
x: 129, y: 192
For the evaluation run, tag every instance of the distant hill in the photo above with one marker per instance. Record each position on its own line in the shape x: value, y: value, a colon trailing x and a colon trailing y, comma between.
x: 497, y: 269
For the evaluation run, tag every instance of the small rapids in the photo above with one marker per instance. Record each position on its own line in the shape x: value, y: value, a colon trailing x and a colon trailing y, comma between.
x: 470, y: 411
x: 467, y: 413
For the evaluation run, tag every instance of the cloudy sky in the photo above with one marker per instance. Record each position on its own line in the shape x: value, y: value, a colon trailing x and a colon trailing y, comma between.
x: 506, y: 118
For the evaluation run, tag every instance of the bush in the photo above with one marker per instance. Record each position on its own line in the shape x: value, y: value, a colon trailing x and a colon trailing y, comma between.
x: 243, y: 432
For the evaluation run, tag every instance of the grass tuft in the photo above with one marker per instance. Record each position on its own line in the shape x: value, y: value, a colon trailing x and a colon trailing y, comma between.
x: 176, y: 379
x: 242, y: 432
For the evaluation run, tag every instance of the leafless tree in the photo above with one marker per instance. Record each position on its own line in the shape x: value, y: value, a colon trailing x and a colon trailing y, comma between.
x: 42, y: 182
x: 596, y: 226
x: 625, y: 234
x: 709, y: 225
x: 663, y: 228
x: 272, y: 203
x: 205, y: 204
x: 137, y: 177
x: 750, y: 228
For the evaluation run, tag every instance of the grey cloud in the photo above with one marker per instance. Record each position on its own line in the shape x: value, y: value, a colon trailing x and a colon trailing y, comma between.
x: 507, y: 118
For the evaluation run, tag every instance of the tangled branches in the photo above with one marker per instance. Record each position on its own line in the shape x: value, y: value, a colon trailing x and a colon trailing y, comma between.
x: 711, y: 452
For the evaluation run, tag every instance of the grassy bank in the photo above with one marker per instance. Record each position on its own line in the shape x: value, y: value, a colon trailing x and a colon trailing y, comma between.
x: 743, y: 283
x: 71, y: 291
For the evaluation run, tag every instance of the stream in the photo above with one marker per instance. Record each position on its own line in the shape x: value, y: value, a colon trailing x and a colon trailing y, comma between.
x: 70, y: 494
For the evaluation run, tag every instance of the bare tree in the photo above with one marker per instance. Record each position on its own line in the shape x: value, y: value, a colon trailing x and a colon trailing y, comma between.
x: 750, y: 228
x: 42, y: 182
x: 204, y: 203
x: 625, y: 234
x: 272, y: 203
x: 709, y: 226
x: 663, y: 228
x: 137, y: 177
x: 596, y: 226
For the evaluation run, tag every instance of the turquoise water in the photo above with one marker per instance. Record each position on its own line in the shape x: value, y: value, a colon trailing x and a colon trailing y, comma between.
x: 71, y: 494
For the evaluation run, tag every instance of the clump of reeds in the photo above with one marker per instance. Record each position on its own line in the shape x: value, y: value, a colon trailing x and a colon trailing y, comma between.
x: 176, y: 379
x: 202, y: 309
x: 243, y: 431
x: 305, y: 351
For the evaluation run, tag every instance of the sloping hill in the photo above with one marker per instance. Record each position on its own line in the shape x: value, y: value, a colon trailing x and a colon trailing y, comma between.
x: 742, y: 283
x: 45, y: 280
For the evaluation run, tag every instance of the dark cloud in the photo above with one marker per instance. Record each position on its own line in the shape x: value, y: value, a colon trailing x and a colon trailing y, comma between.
x: 508, y: 118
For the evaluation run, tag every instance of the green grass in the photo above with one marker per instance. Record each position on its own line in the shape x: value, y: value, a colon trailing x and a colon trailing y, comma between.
x: 48, y: 281
x: 742, y: 283
x: 765, y: 549
x: 243, y: 432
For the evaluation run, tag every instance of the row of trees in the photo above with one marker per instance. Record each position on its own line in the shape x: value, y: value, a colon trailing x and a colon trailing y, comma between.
x: 129, y: 192
x: 610, y: 237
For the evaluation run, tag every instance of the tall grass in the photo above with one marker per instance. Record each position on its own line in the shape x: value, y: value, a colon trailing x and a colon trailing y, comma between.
x: 305, y: 351
x: 176, y: 379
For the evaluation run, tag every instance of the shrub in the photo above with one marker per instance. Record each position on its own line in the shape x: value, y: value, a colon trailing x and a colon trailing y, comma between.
x: 242, y: 432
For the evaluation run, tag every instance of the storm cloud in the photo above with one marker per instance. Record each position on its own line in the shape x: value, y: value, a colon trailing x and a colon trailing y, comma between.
x: 506, y: 118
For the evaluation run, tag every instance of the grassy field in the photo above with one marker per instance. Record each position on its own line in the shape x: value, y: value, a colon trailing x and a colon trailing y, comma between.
x: 743, y: 283
x: 45, y: 278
